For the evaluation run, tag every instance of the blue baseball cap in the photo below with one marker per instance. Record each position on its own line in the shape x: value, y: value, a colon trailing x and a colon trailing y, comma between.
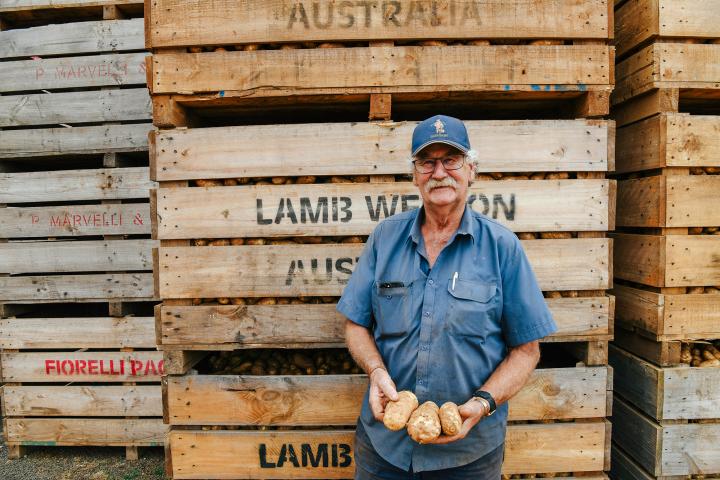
x: 440, y: 129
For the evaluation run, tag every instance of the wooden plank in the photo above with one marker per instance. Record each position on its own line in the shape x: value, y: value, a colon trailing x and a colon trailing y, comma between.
x: 75, y: 107
x: 667, y: 261
x: 289, y: 210
x: 86, y: 431
x: 278, y: 325
x: 175, y: 22
x: 660, y: 353
x: 624, y: 467
x: 336, y: 399
x: 371, y: 148
x: 636, y: 21
x: 384, y: 70
x: 72, y: 72
x: 666, y: 316
x: 76, y: 332
x: 82, y: 401
x: 29, y: 5
x: 88, y: 184
x: 637, y: 434
x: 15, y: 144
x: 574, y: 447
x: 76, y: 288
x: 82, y: 37
x: 202, y: 272
x: 669, y: 393
x: 75, y: 220
x: 73, y: 256
x: 137, y: 366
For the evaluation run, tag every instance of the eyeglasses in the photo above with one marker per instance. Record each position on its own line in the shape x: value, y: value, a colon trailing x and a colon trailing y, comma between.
x: 427, y: 165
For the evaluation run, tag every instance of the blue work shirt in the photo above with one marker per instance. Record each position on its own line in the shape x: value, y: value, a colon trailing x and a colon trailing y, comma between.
x: 443, y: 331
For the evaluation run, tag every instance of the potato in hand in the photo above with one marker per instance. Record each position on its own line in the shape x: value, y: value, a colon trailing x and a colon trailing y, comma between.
x: 398, y: 413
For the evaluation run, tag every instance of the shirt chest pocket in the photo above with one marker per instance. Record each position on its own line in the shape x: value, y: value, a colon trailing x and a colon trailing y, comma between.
x: 471, y: 307
x: 391, y: 305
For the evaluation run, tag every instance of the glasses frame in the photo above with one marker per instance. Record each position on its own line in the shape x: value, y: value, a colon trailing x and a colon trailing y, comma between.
x: 443, y: 160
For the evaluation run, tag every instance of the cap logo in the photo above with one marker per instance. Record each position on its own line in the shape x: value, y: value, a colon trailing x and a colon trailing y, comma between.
x: 439, y: 127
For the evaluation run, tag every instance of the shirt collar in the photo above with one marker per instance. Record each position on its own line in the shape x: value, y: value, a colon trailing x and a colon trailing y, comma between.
x: 465, y: 227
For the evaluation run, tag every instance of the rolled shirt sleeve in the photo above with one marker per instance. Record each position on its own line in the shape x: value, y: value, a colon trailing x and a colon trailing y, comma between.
x: 356, y: 301
x: 525, y: 316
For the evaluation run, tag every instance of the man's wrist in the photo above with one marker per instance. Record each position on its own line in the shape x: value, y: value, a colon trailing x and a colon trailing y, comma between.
x: 372, y: 370
x: 485, y: 404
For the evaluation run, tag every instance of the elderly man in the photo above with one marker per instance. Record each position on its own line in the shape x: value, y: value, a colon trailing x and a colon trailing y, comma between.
x: 442, y: 302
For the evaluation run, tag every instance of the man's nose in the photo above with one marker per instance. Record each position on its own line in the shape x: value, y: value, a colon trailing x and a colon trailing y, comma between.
x: 439, y: 170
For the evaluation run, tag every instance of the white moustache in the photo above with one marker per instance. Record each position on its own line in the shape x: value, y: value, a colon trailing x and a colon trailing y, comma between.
x: 445, y: 182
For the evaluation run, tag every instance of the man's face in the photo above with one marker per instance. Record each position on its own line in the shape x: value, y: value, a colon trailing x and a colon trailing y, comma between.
x: 442, y: 187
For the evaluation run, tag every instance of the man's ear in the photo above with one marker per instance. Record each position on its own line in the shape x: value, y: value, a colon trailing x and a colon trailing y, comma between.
x: 414, y: 178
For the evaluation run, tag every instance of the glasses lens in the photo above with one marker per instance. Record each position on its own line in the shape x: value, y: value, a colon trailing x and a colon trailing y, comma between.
x: 454, y: 162
x: 424, y: 166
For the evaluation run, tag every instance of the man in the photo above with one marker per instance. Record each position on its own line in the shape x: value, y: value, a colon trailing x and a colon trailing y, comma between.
x: 442, y: 302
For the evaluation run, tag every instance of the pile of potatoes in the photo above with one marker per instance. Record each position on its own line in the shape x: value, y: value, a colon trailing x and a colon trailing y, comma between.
x: 300, y: 180
x: 704, y: 230
x: 537, y: 475
x: 281, y: 362
x: 424, y: 422
x: 700, y: 354
x: 704, y: 170
x: 264, y: 300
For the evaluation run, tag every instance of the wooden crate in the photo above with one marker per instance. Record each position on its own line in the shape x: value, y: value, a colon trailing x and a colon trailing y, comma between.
x: 28, y: 13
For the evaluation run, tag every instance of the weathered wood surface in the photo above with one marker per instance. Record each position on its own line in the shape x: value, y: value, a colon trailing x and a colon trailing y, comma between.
x: 174, y: 23
x: 38, y: 142
x: 624, y: 467
x: 83, y: 401
x: 385, y: 70
x: 86, y: 431
x: 73, y: 256
x: 73, y: 39
x: 77, y: 332
x: 669, y: 201
x: 664, y: 354
x: 236, y: 271
x: 75, y: 220
x: 638, y: 21
x: 669, y: 140
x: 25, y: 5
x: 664, y: 450
x: 88, y: 184
x: 72, y: 72
x: 373, y: 148
x: 76, y: 288
x: 667, y: 316
x: 75, y: 107
x: 213, y: 327
x: 667, y: 261
x: 574, y: 447
x: 336, y: 399
x: 289, y: 210
x: 137, y: 366
x: 669, y: 393
x: 668, y: 65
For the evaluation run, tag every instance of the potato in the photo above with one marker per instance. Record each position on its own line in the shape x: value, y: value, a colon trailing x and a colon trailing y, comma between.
x: 450, y: 419
x: 710, y: 363
x: 526, y: 236
x: 557, y: 176
x: 479, y: 42
x: 695, y: 230
x: 685, y: 354
x: 424, y: 424
x: 237, y: 241
x: 306, y: 179
x: 230, y: 182
x: 398, y: 413
x: 553, y: 294
x: 696, y: 290
x: 209, y: 183
x: 221, y: 242
x: 555, y: 235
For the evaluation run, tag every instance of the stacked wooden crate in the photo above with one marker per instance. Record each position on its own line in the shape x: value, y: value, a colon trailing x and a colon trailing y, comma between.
x: 666, y: 420
x: 79, y: 363
x: 263, y: 207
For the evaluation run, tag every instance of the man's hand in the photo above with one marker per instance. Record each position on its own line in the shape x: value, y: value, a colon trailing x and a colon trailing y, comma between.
x: 382, y: 390
x: 471, y: 413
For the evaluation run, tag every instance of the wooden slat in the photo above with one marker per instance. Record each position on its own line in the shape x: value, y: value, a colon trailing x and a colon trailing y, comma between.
x: 372, y: 148
x: 385, y: 70
x: 86, y: 256
x: 286, y: 210
x: 73, y: 39
x: 76, y: 288
x: 336, y: 399
x: 75, y: 107
x: 667, y: 261
x: 75, y: 220
x: 83, y: 401
x: 86, y: 431
x: 37, y: 142
x: 27, y: 5
x: 669, y: 140
x: 237, y: 454
x: 90, y: 184
x: 175, y: 23
x: 669, y: 201
x: 236, y: 271
x: 667, y: 316
x: 137, y: 366
x: 624, y: 467
x: 73, y: 72
x: 278, y: 325
x: 76, y: 332
x: 669, y: 393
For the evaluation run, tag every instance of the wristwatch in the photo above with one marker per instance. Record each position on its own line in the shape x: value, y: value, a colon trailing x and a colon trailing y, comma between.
x: 483, y: 395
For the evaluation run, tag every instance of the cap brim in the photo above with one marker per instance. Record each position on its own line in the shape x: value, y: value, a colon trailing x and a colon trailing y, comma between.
x: 446, y: 142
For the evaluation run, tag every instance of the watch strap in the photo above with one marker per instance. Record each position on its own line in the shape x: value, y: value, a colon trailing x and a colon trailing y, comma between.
x: 488, y: 398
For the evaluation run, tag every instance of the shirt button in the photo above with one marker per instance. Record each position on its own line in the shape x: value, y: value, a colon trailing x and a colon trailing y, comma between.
x: 427, y: 314
x: 389, y: 297
x: 424, y: 347
x: 431, y: 281
x: 420, y: 382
